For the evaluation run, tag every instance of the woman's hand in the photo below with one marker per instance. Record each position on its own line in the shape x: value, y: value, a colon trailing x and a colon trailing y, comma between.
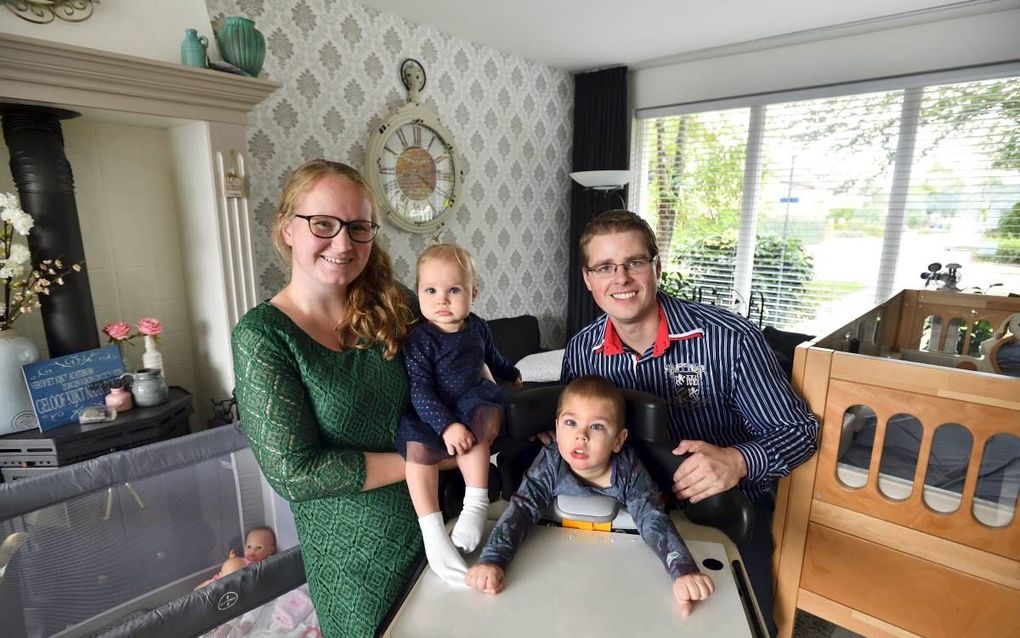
x: 485, y: 577
x: 458, y: 439
x: 689, y: 588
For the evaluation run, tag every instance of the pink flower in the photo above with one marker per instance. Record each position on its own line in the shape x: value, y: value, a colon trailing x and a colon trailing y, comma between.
x: 149, y: 326
x: 117, y: 330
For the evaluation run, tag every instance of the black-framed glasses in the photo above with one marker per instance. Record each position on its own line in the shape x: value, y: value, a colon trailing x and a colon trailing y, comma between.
x: 632, y: 266
x: 328, y: 227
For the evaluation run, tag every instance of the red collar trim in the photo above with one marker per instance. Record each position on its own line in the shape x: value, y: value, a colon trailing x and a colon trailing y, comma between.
x: 612, y: 345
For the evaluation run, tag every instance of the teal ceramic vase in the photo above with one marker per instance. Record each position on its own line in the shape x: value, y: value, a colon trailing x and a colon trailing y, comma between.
x: 193, y: 49
x: 241, y: 44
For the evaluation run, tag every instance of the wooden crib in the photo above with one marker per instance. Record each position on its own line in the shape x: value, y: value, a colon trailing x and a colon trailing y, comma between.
x: 884, y: 564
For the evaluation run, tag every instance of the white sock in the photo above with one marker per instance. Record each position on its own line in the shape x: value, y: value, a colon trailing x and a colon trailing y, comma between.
x: 443, y: 557
x: 467, y: 533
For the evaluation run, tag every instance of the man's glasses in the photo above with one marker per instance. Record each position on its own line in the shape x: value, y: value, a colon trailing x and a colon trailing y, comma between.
x: 328, y: 227
x: 632, y: 266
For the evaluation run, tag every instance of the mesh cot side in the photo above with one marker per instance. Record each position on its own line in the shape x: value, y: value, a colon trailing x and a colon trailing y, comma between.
x: 93, y: 543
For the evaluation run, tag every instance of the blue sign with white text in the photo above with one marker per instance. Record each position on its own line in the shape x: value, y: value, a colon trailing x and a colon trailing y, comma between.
x: 61, y: 387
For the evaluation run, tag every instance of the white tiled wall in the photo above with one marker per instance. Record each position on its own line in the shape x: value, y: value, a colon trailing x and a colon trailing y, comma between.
x: 129, y: 220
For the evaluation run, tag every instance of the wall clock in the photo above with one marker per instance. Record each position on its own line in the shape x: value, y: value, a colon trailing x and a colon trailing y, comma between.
x: 412, y: 163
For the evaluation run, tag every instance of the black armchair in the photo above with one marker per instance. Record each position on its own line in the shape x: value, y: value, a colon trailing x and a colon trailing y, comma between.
x: 534, y: 410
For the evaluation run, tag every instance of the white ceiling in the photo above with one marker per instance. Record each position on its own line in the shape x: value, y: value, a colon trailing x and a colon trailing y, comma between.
x: 578, y: 35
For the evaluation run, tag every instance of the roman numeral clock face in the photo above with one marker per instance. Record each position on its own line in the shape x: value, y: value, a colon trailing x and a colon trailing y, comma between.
x: 417, y: 174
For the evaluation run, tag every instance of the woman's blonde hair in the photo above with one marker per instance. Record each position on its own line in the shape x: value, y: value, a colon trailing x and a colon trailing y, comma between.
x: 451, y: 253
x: 378, y: 309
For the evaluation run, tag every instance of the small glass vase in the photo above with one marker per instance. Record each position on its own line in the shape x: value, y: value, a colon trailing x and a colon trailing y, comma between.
x: 152, y: 358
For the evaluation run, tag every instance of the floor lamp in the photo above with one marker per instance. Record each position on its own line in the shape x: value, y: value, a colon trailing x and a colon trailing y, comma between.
x: 605, y: 182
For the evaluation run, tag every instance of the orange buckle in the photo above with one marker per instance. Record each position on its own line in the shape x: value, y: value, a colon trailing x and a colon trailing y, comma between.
x: 588, y: 525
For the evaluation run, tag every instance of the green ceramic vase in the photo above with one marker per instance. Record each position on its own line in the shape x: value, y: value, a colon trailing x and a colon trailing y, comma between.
x: 241, y: 44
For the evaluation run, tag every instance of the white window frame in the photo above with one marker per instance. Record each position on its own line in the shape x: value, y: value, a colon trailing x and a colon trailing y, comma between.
x: 913, y: 87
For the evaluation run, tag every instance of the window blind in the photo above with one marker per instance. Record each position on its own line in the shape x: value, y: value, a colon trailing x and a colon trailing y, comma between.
x: 832, y: 204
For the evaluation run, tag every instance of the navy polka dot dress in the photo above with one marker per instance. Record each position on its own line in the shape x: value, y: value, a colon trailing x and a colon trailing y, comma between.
x: 445, y: 370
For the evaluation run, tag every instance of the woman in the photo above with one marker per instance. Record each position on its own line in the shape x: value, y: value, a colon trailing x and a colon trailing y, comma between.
x: 320, y: 391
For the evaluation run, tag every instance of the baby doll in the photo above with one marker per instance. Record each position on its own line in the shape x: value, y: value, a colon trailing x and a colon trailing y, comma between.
x: 589, y: 457
x: 259, y: 544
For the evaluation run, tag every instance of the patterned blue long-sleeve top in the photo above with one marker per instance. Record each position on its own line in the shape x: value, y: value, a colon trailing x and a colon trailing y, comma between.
x: 443, y: 367
x: 631, y: 486
x: 721, y: 381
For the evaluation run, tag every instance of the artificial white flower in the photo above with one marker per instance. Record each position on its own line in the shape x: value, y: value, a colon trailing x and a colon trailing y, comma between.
x: 13, y: 214
x: 9, y: 200
x: 20, y: 283
x: 19, y: 255
x: 21, y: 221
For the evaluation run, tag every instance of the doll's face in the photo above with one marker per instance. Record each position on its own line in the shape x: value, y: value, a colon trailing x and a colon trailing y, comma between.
x: 259, y: 544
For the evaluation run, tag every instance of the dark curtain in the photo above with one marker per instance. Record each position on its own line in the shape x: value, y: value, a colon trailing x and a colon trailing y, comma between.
x: 601, y: 126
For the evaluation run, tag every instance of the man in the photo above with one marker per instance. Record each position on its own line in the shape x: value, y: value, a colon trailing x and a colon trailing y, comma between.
x: 730, y: 406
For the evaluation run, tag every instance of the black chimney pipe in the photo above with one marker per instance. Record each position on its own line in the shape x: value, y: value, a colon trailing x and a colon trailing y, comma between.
x: 45, y: 185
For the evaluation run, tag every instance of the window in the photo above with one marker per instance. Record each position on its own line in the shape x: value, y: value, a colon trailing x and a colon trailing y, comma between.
x: 822, y: 208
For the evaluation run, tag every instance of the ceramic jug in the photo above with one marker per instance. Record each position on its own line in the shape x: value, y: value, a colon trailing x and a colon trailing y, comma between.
x: 241, y: 44
x: 147, y: 387
x: 194, y: 49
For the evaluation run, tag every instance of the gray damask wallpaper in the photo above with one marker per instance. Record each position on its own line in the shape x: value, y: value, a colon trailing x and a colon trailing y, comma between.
x: 512, y: 119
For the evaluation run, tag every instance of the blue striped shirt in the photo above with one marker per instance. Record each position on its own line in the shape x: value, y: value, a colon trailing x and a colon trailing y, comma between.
x: 723, y: 386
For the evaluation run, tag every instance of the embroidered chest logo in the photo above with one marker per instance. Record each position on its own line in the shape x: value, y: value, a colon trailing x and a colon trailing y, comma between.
x: 686, y: 382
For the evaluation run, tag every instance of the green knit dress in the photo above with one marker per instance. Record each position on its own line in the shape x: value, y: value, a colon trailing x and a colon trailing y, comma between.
x: 310, y: 413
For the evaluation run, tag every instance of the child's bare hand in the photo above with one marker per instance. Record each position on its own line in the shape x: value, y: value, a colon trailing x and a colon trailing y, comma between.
x: 691, y: 587
x: 518, y: 382
x: 485, y: 577
x: 458, y: 439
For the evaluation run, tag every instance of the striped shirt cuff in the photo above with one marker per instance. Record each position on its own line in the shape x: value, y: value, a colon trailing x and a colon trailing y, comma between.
x: 755, y: 458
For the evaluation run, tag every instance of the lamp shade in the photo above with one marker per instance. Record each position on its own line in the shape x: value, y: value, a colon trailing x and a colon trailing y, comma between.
x: 603, y: 180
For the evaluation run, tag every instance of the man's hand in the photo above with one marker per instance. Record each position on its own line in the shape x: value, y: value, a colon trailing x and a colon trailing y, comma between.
x: 485, y: 577
x: 689, y: 588
x: 458, y: 439
x: 708, y: 470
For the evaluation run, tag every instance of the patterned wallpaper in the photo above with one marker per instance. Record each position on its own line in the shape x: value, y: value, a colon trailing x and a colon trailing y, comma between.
x: 512, y: 119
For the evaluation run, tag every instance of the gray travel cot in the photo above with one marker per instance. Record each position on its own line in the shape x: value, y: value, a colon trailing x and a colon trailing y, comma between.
x: 115, y: 546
